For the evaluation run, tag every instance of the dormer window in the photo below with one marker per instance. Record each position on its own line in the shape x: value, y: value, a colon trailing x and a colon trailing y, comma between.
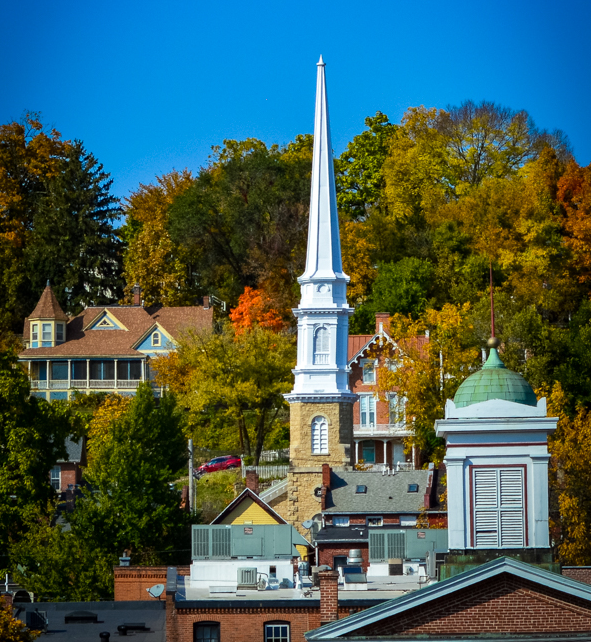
x: 35, y: 332
x: 59, y: 332
x: 46, y: 332
x: 156, y: 339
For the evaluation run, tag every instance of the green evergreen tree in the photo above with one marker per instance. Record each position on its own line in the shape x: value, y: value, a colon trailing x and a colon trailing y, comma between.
x: 73, y: 242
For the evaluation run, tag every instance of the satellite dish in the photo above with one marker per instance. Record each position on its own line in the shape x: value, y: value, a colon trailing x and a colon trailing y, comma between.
x: 156, y: 590
x: 308, y: 523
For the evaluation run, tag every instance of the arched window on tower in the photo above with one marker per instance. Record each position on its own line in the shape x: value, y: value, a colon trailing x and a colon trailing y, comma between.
x: 319, y: 436
x: 321, y: 349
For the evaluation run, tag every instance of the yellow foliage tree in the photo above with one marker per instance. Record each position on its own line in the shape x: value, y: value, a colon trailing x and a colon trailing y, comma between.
x: 152, y: 259
x: 113, y: 407
x: 570, y: 480
x: 357, y: 250
x: 434, y: 354
x: 13, y: 630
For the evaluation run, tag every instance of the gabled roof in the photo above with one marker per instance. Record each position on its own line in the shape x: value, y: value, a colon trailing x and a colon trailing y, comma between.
x: 84, y: 342
x: 384, y: 493
x: 48, y: 307
x: 345, y: 628
x: 248, y: 494
x: 360, y: 343
x: 76, y: 451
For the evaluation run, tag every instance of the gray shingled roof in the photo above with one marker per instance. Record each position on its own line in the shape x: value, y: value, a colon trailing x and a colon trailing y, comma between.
x: 74, y: 449
x: 342, y: 534
x: 385, y: 493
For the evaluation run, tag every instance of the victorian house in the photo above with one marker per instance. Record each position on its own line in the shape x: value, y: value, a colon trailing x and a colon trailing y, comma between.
x: 104, y: 348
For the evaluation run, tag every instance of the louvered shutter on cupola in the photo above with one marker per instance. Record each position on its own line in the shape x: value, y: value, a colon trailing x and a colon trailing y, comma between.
x: 499, y: 516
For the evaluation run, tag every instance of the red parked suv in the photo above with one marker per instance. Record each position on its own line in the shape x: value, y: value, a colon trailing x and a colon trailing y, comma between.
x: 218, y: 463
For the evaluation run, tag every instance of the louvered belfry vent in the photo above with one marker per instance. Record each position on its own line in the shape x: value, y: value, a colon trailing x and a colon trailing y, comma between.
x: 499, y: 515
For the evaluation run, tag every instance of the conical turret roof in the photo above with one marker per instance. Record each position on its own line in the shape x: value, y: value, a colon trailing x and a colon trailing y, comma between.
x: 48, y: 306
x: 495, y: 381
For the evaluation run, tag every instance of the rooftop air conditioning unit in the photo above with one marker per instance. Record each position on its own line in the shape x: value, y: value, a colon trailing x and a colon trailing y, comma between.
x: 247, y: 578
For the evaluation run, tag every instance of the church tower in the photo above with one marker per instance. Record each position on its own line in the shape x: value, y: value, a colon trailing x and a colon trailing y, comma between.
x: 321, y: 412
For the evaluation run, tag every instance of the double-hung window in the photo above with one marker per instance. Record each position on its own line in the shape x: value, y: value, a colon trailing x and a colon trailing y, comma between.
x: 499, y: 507
x: 397, y: 408
x: 206, y: 632
x: 34, y: 332
x: 368, y: 410
x: 46, y: 331
x: 368, y: 367
x: 156, y: 339
x: 277, y: 632
x: 59, y: 332
x: 55, y: 477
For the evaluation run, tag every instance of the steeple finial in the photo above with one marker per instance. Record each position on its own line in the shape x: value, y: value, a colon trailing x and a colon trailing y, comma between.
x: 493, y: 342
x: 323, y: 260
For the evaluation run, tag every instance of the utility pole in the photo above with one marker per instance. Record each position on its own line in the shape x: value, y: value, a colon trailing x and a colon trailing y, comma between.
x: 191, y: 491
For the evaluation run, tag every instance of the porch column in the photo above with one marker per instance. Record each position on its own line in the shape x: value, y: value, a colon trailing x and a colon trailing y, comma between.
x: 69, y: 373
x: 356, y: 450
x: 115, y: 373
x: 385, y: 452
x: 48, y: 373
x: 144, y: 366
x: 88, y: 373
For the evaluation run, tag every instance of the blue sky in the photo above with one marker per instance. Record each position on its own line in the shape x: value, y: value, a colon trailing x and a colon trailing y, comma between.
x: 151, y: 86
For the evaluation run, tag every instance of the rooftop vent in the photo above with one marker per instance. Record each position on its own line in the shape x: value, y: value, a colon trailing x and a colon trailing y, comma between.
x: 81, y: 617
x: 361, y: 490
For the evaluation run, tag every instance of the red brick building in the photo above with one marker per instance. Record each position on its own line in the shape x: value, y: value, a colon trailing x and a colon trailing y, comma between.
x: 502, y: 600
x: 67, y: 473
x: 379, y: 425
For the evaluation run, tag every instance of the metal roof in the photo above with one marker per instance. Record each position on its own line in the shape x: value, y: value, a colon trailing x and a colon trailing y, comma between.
x: 494, y: 381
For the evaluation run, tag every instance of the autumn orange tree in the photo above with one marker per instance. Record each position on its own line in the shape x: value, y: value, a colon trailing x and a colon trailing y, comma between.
x: 432, y: 356
x: 255, y: 308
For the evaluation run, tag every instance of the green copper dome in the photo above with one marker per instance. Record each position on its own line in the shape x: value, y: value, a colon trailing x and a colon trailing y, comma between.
x: 494, y: 381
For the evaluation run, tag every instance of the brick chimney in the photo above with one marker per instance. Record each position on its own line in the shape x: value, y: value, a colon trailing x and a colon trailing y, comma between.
x: 329, y: 596
x: 325, y: 485
x: 137, y: 294
x: 252, y: 481
x: 382, y: 322
x: 206, y: 303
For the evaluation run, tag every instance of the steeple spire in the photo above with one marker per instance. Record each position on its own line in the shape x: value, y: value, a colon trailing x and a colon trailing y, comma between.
x: 323, y: 261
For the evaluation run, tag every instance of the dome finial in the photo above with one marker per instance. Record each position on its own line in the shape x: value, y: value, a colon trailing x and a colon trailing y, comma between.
x: 493, y: 342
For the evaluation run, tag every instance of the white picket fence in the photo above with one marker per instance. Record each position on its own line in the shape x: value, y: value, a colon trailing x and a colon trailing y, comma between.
x: 266, y: 472
x: 273, y: 455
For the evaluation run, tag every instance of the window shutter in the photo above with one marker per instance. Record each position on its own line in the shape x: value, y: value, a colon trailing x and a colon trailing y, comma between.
x: 200, y: 543
x: 512, y: 521
x: 220, y: 542
x: 486, y: 524
x: 499, y: 516
x: 377, y: 547
x: 396, y: 545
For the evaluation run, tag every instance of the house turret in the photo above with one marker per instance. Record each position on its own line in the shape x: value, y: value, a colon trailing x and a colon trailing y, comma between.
x: 47, y: 322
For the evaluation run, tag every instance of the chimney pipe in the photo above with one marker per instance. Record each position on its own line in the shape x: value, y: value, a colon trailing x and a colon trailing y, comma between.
x: 137, y: 294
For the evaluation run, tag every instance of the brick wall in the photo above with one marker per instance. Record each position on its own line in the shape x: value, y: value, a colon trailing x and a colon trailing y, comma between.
x: 131, y: 582
x: 329, y: 596
x: 503, y: 604
x: 327, y: 552
x: 70, y: 474
x: 579, y: 573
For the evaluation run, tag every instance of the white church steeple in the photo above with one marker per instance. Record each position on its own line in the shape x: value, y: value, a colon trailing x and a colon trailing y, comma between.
x: 323, y: 314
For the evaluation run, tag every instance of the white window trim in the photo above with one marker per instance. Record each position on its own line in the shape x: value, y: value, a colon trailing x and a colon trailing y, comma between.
x: 43, y: 332
x: 34, y: 332
x: 157, y: 339
x: 365, y: 362
x: 322, y: 353
x: 371, y: 402
x: 278, y: 623
x: 345, y: 521
x: 375, y: 517
x: 494, y: 517
x: 319, y: 440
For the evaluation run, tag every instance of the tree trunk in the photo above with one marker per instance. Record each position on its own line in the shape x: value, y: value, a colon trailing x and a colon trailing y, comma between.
x: 244, y: 437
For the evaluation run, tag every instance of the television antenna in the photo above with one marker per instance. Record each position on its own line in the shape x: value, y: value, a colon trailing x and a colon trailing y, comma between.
x: 156, y: 590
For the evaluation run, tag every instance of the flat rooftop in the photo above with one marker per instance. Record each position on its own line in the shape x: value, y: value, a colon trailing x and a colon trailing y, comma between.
x: 379, y: 589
